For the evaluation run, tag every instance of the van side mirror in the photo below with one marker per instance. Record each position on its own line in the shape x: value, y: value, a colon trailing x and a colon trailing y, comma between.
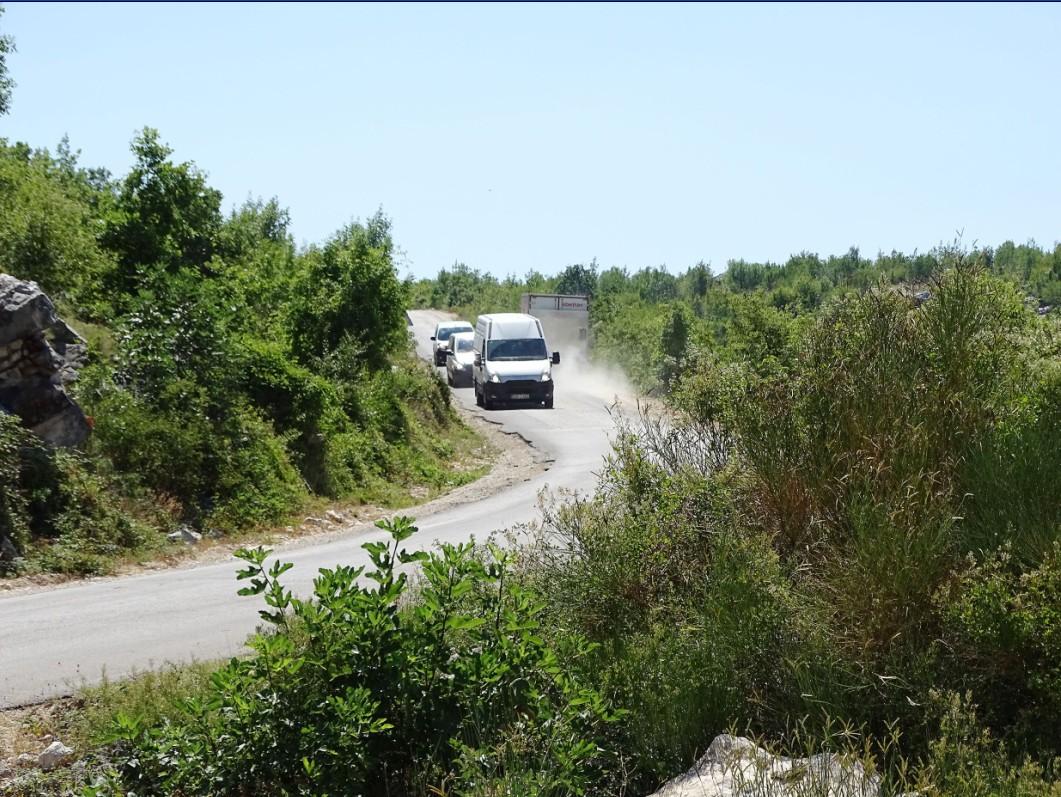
x: 432, y: 337
x: 478, y: 359
x: 449, y: 352
x: 556, y: 358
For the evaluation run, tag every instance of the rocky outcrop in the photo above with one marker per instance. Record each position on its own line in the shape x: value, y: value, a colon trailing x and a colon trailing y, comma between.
x: 39, y: 356
x: 736, y: 767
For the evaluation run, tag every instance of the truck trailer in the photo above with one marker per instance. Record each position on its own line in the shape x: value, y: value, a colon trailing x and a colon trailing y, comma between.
x: 564, y: 317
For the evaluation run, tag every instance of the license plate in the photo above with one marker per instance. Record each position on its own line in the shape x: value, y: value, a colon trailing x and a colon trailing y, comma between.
x: 520, y: 396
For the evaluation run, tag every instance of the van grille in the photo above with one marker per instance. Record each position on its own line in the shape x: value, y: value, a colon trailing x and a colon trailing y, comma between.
x: 516, y: 384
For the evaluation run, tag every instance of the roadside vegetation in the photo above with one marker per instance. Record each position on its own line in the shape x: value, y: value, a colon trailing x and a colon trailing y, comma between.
x: 232, y: 378
x: 851, y: 544
x: 842, y: 534
x: 857, y: 529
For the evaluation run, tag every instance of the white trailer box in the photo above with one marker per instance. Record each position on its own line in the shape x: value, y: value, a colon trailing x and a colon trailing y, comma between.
x: 565, y: 317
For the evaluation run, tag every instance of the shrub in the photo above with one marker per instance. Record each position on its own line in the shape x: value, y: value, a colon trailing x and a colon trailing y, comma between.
x: 169, y: 448
x: 1003, y: 629
x: 233, y: 470
x: 350, y: 291
x: 89, y: 527
x: 361, y: 690
x: 55, y: 507
x: 14, y: 504
x: 698, y: 624
x: 1010, y: 497
x: 965, y: 760
x: 303, y: 406
x: 255, y: 482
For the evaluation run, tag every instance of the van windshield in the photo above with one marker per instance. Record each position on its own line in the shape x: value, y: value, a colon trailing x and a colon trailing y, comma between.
x: 465, y: 345
x: 516, y: 349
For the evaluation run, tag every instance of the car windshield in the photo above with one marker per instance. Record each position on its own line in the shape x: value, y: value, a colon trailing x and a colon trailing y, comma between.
x: 465, y: 345
x: 444, y: 333
x: 516, y: 349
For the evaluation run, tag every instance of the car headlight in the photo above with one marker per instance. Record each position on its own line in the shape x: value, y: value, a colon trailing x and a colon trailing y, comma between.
x: 546, y: 378
x: 495, y: 378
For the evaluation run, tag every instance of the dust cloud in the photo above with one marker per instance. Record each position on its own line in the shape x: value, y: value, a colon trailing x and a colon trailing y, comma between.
x: 579, y: 372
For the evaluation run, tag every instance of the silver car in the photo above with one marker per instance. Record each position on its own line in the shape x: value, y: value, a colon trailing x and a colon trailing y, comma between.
x: 459, y: 359
x: 442, y: 335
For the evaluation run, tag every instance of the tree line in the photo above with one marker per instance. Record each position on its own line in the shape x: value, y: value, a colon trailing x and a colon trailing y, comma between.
x: 649, y: 320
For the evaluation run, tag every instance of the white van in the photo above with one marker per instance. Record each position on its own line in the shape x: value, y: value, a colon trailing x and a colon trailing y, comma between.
x: 512, y: 361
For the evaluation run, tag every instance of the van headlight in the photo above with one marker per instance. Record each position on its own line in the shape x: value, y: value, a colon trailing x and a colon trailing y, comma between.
x: 495, y: 378
x: 546, y: 378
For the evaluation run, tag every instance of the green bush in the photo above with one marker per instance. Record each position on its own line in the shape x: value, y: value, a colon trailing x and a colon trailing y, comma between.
x: 350, y: 292
x: 255, y: 482
x: 698, y: 624
x: 231, y: 470
x: 89, y: 528
x: 304, y: 407
x: 1009, y: 497
x: 965, y: 760
x: 169, y: 449
x: 58, y: 512
x: 1003, y: 632
x: 362, y: 690
x: 14, y: 502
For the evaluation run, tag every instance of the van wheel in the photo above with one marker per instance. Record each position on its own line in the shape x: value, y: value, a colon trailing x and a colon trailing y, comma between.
x: 449, y: 378
x: 488, y: 403
x: 478, y: 396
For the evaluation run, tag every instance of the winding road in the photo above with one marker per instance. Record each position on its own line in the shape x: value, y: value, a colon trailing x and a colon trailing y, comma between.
x: 52, y: 641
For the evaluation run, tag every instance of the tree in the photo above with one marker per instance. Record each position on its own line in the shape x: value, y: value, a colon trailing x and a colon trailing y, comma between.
x: 350, y: 297
x: 256, y: 256
x: 655, y: 285
x: 674, y: 341
x: 761, y: 334
x: 46, y: 224
x: 7, y: 46
x: 578, y: 279
x: 166, y: 215
x: 614, y: 280
x: 536, y: 282
x: 456, y: 287
x: 699, y: 280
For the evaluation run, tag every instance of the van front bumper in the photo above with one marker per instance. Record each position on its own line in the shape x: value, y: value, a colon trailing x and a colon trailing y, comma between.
x: 519, y: 390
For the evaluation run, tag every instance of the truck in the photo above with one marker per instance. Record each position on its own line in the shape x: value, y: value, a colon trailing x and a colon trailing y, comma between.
x: 511, y: 361
x: 564, y: 317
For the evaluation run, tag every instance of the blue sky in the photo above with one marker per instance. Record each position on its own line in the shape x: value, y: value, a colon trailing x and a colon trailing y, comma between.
x: 513, y: 137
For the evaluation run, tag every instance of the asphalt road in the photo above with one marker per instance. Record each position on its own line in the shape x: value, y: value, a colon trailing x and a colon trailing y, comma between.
x: 54, y: 640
